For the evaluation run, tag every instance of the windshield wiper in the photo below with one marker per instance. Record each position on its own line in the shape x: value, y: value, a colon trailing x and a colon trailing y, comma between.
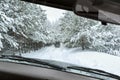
x: 39, y: 62
x: 47, y: 64
x: 94, y: 71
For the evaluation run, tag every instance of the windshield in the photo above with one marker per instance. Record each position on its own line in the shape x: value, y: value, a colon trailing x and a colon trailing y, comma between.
x: 40, y: 32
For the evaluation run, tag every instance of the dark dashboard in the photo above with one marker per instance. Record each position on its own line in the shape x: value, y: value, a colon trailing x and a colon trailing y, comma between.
x: 62, y: 4
x: 14, y: 71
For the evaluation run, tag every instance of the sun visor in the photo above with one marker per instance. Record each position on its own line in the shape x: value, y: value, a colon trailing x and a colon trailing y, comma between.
x: 107, y: 11
x: 110, y: 17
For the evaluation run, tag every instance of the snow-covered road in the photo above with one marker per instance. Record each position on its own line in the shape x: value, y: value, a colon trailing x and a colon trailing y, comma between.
x: 89, y: 59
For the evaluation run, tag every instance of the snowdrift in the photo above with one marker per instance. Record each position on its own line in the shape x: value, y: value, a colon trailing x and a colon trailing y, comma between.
x: 96, y: 60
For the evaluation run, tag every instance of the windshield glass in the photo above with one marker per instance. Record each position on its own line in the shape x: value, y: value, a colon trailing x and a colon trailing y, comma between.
x: 40, y: 32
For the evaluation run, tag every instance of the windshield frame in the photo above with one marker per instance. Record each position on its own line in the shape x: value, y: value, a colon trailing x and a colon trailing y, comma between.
x: 18, y: 58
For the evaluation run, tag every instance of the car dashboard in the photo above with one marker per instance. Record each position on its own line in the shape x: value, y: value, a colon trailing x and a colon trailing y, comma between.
x: 15, y: 71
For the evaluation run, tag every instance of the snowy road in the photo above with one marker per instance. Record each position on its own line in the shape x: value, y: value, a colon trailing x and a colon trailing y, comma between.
x: 89, y: 59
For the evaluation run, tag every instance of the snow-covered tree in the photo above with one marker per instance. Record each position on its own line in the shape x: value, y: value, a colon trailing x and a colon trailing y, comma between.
x: 89, y: 34
x: 21, y: 22
x: 75, y: 29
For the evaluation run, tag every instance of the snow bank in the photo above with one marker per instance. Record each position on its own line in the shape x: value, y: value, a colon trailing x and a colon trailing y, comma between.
x: 89, y: 59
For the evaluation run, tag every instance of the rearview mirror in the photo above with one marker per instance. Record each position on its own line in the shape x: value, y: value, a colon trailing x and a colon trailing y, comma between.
x: 106, y: 11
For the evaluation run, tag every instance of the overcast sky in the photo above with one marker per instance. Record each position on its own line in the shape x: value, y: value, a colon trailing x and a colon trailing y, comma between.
x: 53, y: 14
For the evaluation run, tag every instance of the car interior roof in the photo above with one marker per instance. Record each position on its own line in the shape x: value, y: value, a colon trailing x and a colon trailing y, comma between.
x: 62, y: 4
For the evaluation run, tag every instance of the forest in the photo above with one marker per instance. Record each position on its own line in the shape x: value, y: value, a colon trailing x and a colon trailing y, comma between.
x: 24, y: 27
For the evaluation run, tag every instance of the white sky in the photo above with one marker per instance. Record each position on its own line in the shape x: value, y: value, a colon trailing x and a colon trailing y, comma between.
x: 53, y: 14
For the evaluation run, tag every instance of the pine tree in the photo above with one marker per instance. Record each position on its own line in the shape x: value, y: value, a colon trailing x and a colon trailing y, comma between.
x: 89, y: 34
x: 21, y: 22
x: 75, y: 29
